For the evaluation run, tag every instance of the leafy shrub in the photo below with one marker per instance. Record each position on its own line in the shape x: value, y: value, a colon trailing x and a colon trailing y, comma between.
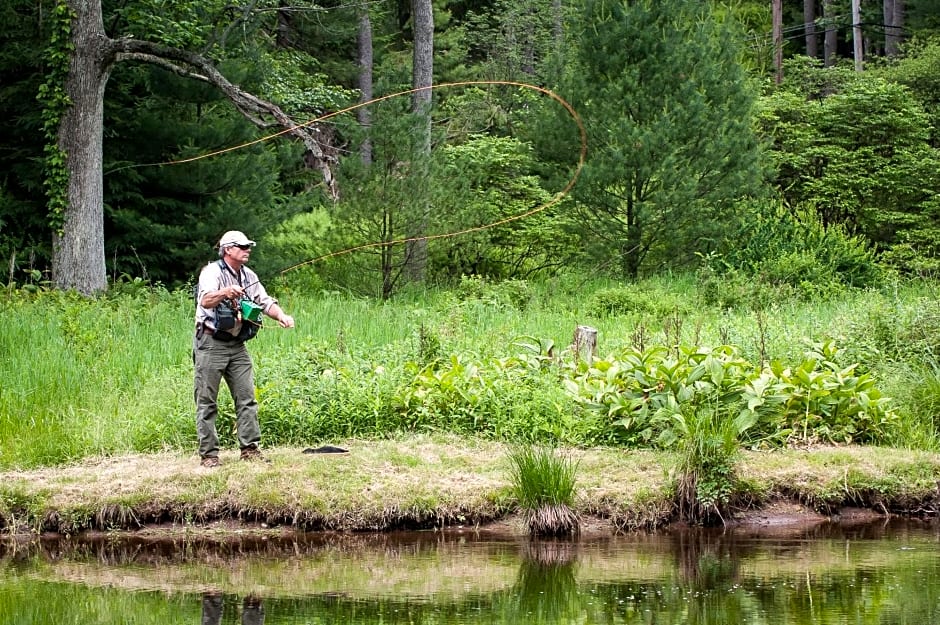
x: 640, y: 392
x: 795, y: 250
x: 646, y: 302
x: 728, y: 287
x: 920, y: 259
x: 819, y: 400
x: 511, y: 293
x: 810, y: 276
x: 644, y: 395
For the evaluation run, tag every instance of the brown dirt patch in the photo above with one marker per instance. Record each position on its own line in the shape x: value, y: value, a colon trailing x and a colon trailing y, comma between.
x: 779, y: 513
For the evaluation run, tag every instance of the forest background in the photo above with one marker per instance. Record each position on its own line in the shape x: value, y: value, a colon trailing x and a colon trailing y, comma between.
x: 745, y: 207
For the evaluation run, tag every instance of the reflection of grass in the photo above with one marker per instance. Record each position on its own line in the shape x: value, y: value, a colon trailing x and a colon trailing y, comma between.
x: 443, y: 571
x: 367, y: 567
x: 546, y: 587
x: 543, y: 482
x: 546, y: 593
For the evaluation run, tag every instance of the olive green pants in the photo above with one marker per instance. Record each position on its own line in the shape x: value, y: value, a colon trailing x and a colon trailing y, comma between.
x: 214, y: 361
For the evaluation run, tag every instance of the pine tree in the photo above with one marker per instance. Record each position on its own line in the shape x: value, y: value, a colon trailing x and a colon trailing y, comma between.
x: 668, y: 110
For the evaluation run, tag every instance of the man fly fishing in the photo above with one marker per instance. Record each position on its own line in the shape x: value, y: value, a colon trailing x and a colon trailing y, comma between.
x: 229, y: 303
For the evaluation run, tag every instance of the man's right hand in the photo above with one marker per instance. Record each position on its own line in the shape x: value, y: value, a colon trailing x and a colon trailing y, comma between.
x: 233, y: 292
x: 214, y: 298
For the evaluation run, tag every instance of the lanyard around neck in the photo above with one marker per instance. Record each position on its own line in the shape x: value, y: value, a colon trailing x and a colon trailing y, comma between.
x: 237, y: 276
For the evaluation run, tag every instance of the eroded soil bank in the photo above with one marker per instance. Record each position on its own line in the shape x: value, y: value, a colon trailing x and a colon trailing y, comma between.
x: 425, y: 482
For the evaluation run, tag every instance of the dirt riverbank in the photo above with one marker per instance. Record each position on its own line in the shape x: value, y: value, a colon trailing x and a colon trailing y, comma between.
x: 428, y: 482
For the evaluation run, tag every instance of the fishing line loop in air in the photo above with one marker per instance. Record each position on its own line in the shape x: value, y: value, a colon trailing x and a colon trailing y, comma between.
x: 523, y: 215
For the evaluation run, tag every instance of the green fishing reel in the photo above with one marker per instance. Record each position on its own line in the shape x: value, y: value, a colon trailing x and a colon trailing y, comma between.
x: 250, y: 310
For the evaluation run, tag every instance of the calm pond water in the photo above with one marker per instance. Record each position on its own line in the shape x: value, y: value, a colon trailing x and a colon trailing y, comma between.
x: 884, y: 573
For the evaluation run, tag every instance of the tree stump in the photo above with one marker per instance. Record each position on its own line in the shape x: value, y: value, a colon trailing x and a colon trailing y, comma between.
x: 584, y: 345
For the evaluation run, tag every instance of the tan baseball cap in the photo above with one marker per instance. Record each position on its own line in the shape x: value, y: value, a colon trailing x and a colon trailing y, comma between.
x: 234, y: 237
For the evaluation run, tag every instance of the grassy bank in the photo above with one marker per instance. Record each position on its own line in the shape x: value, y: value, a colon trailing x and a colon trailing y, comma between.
x: 422, y: 481
x: 687, y: 374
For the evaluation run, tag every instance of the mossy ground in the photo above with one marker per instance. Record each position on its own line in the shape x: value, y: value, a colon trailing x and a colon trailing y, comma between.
x: 435, y: 481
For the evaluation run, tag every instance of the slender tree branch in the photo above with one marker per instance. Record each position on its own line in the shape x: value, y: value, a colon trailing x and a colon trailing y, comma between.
x: 161, y: 62
x: 192, y: 65
x: 246, y: 12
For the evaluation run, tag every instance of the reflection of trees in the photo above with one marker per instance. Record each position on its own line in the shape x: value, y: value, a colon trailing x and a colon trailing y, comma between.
x: 222, y: 549
x: 694, y: 577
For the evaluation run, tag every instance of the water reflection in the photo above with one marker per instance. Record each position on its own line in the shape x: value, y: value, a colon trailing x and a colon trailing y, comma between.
x: 213, y: 603
x: 546, y: 587
x: 886, y: 573
x: 705, y: 559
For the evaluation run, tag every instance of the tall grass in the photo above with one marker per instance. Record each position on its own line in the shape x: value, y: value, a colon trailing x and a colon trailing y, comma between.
x: 708, y: 449
x: 76, y: 373
x: 114, y: 374
x: 543, y: 482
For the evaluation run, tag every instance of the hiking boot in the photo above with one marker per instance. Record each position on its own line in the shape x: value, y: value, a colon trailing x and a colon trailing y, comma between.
x: 253, y: 454
x: 209, y: 462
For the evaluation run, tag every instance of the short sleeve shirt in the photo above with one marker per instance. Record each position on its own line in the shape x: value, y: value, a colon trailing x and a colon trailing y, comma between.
x: 218, y: 275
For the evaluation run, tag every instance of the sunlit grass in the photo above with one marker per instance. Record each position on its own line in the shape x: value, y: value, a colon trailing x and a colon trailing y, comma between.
x: 457, y: 481
x: 111, y: 376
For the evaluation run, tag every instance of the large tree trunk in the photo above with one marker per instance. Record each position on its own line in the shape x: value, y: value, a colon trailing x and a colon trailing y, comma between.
x: 894, y: 26
x: 364, y: 45
x: 858, y: 51
x: 777, y: 27
x: 422, y: 16
x: 78, y: 260
x: 831, y: 37
x: 809, y: 21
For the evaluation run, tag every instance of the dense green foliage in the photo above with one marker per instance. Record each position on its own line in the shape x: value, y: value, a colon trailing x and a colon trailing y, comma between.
x: 647, y: 396
x: 54, y: 101
x: 115, y: 375
x: 865, y: 124
x: 675, y: 97
x: 792, y: 209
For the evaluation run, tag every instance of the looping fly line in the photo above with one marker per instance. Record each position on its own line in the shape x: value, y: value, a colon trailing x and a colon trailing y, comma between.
x: 557, y: 198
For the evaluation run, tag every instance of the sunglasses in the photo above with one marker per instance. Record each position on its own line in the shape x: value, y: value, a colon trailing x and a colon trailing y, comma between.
x: 243, y: 247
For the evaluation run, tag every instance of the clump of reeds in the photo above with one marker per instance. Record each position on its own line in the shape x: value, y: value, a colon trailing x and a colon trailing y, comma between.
x: 705, y: 469
x: 543, y: 482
